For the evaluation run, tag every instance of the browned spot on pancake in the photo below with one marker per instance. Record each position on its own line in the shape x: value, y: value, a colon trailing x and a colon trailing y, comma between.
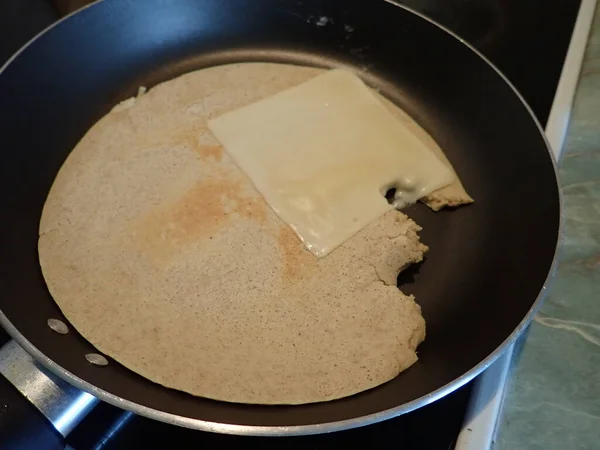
x: 199, y: 214
x: 192, y: 136
x: 189, y: 138
x: 210, y: 151
x: 145, y: 136
x: 255, y: 208
x: 296, y: 259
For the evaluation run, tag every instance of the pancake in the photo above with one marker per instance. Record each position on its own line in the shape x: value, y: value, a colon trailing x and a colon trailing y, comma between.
x: 161, y: 253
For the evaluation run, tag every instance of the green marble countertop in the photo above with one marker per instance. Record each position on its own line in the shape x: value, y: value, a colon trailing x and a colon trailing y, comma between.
x: 553, y: 398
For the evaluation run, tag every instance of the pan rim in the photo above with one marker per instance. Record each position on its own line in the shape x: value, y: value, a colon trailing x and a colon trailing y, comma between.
x: 328, y: 427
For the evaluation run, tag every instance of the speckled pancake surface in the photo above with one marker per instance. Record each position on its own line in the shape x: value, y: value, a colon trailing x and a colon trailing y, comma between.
x: 160, y: 252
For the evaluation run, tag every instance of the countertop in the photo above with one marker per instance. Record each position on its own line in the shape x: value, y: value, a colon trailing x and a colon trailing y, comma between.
x: 553, y: 398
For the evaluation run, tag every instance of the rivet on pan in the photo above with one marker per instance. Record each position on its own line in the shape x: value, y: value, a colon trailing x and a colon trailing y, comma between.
x: 96, y: 359
x: 58, y: 325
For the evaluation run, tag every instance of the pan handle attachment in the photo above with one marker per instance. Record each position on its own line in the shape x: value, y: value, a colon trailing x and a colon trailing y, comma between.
x: 37, y: 409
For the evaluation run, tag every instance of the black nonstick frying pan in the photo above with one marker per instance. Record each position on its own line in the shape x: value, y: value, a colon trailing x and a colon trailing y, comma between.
x: 488, y: 263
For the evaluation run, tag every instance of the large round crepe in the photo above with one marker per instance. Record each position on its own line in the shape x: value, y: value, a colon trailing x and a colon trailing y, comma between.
x: 161, y: 253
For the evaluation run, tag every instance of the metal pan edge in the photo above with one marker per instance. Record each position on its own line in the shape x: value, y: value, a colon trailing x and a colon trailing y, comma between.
x: 248, y: 430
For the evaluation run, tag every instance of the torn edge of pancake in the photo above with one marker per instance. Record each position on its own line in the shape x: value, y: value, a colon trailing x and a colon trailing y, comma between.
x: 451, y: 196
x: 128, y: 103
x: 407, y: 249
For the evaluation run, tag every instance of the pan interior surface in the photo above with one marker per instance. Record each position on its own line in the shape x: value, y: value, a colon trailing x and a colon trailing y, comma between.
x: 487, y: 262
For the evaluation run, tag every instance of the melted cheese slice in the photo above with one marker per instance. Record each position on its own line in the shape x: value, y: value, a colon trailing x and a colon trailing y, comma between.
x: 324, y: 153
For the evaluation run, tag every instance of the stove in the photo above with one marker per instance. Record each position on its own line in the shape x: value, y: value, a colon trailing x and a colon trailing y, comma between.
x: 528, y: 40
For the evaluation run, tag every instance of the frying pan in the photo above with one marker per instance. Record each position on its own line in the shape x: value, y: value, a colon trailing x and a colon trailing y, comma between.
x: 488, y: 263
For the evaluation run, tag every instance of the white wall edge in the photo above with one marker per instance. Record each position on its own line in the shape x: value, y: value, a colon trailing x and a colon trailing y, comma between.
x: 484, y: 406
x: 558, y: 121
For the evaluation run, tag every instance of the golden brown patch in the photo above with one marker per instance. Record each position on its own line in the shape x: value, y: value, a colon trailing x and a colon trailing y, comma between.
x: 254, y: 208
x: 187, y: 135
x: 210, y: 151
x: 199, y: 214
x: 296, y: 259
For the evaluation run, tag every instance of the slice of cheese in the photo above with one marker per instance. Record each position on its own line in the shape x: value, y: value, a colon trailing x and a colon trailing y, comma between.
x: 324, y: 153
